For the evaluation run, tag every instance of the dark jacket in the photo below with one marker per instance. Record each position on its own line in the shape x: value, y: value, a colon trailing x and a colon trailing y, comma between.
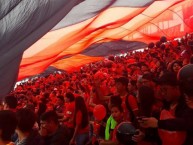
x: 60, y: 137
x: 33, y: 139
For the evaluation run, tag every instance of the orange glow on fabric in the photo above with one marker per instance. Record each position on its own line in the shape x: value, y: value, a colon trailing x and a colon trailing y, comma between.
x: 144, y: 24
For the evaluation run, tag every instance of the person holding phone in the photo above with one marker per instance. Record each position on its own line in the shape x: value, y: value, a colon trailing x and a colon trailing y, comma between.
x: 183, y: 122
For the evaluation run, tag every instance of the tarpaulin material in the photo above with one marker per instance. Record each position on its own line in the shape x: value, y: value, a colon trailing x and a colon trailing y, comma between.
x: 23, y: 22
x: 75, y: 62
x: 90, y: 22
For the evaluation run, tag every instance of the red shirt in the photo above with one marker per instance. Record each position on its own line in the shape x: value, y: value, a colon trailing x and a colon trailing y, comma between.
x: 132, y: 101
x: 70, y: 114
x: 171, y: 137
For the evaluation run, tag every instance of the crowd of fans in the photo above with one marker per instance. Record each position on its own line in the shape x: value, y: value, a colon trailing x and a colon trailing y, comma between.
x: 141, y: 87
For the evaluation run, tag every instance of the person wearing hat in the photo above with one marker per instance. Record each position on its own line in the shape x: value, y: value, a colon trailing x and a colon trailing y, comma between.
x: 185, y: 121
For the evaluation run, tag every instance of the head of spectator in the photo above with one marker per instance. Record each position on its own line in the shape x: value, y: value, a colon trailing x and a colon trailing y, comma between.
x: 121, y: 85
x: 157, y: 44
x: 169, y: 86
x: 132, y: 86
x: 147, y: 80
x: 151, y: 45
x: 119, y: 69
x: 155, y: 58
x: 163, y: 39
x: 176, y: 66
x: 111, y: 57
x: 60, y: 100
x: 162, y: 46
x: 48, y: 123
x: 10, y: 103
x: 144, y: 68
x: 160, y: 65
x: 69, y: 97
x: 8, y: 123
x: 108, y: 64
x: 26, y: 135
x: 139, y: 81
x: 132, y: 66
x: 117, y: 112
x: 185, y: 77
x: 114, y: 100
x: 26, y: 119
x: 52, y: 131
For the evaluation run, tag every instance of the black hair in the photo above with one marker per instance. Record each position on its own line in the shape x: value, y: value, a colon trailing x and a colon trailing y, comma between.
x: 117, y: 106
x: 11, y: 101
x: 8, y: 123
x: 151, y: 45
x: 50, y: 116
x: 46, y: 95
x: 143, y: 64
x: 176, y: 61
x: 133, y: 82
x: 70, y: 96
x: 158, y: 43
x: 185, y: 77
x: 61, y: 97
x: 26, y: 119
x: 168, y: 78
x: 115, y: 100
x: 163, y: 39
x: 122, y: 80
x: 81, y: 106
x: 162, y: 46
x: 148, y: 76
